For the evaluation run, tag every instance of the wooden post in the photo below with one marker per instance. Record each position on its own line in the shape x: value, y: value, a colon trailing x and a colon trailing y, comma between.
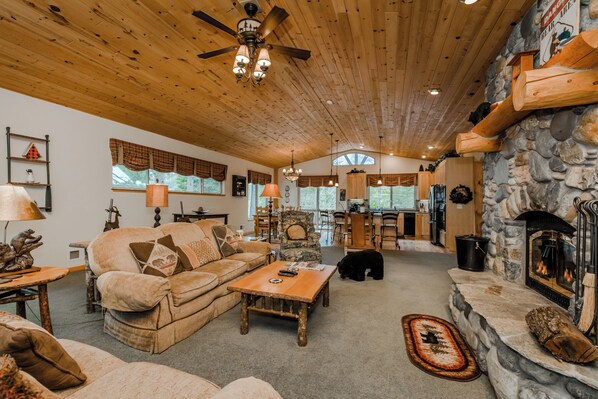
x: 555, y: 87
x: 498, y: 120
x: 44, y: 308
x: 244, y: 314
x: 472, y: 142
x: 302, y: 328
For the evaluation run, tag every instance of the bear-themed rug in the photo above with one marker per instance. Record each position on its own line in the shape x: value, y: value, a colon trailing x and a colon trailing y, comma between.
x: 436, y: 347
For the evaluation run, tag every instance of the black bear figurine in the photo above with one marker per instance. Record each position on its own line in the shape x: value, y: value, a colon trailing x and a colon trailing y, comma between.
x: 354, y: 265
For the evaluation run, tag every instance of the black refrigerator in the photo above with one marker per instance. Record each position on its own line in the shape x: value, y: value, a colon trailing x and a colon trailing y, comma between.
x: 437, y: 209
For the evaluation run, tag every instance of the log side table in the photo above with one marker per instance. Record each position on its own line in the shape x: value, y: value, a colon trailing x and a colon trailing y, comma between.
x: 93, y: 295
x: 22, y: 289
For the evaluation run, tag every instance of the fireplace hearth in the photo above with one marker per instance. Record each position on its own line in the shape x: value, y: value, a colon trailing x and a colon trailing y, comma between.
x: 550, y: 256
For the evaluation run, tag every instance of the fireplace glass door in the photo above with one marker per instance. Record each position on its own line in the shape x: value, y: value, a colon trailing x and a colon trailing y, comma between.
x: 552, y: 261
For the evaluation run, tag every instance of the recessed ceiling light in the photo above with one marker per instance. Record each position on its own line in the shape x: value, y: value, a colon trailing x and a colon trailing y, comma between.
x: 329, y: 102
x: 434, y: 91
x: 430, y: 147
x: 361, y: 146
x: 468, y: 2
x: 391, y: 154
x: 424, y: 157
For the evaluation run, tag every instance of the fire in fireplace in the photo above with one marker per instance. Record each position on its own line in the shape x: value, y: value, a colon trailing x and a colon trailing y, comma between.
x: 550, y: 256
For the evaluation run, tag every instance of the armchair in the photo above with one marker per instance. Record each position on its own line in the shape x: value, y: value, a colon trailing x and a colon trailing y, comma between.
x: 299, y: 240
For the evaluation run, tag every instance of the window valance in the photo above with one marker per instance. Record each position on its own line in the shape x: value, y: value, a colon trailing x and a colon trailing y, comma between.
x: 138, y: 157
x: 398, y: 179
x: 258, y: 177
x: 316, y: 181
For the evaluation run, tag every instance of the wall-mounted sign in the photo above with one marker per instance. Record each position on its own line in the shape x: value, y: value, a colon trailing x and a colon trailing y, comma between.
x: 559, y: 23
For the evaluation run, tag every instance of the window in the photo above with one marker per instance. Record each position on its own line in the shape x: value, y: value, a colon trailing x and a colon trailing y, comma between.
x: 392, y: 197
x: 354, y: 158
x: 317, y: 198
x: 123, y: 177
x: 254, y: 199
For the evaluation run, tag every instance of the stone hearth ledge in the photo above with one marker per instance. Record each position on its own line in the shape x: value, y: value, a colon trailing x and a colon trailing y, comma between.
x: 502, y: 305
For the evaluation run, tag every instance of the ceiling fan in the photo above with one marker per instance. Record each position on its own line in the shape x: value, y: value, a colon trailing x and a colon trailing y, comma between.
x: 251, y: 35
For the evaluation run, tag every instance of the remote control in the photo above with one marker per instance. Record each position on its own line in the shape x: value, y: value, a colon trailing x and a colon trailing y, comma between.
x: 287, y: 273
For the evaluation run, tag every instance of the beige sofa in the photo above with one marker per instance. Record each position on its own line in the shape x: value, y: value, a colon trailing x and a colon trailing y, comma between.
x: 110, y: 377
x: 153, y: 313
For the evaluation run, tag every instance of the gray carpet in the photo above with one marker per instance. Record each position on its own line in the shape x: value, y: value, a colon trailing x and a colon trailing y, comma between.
x: 355, y: 347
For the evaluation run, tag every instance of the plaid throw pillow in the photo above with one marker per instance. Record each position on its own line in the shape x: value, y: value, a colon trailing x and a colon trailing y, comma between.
x: 228, y: 242
x: 157, y: 257
x: 197, y: 253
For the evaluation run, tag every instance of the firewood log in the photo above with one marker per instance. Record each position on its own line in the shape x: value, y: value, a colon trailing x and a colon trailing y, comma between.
x: 559, y: 335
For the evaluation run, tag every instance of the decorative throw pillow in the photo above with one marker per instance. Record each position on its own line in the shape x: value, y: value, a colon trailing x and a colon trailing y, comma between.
x: 157, y: 257
x: 38, y: 353
x: 228, y: 242
x: 197, y: 253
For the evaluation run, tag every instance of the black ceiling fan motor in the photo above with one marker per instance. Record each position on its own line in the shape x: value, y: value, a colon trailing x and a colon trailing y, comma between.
x: 251, y: 9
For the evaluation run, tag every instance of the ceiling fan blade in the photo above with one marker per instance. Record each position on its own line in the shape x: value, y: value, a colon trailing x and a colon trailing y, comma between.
x: 206, y: 18
x: 272, y: 20
x: 291, y: 51
x: 214, y: 53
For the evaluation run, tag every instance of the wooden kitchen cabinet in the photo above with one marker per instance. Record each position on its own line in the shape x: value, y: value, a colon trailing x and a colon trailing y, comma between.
x: 356, y: 187
x: 424, y: 181
x: 422, y: 225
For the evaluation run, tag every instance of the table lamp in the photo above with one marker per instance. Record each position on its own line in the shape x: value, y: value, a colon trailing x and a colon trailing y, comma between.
x: 271, y: 191
x: 156, y: 195
x: 15, y: 204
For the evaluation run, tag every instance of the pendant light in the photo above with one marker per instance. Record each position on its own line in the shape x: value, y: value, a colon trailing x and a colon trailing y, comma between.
x: 331, y: 181
x: 336, y: 183
x: 380, y: 163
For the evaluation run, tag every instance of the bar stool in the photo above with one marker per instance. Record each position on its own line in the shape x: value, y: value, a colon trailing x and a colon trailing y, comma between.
x: 390, y: 228
x: 370, y: 229
x: 339, y: 225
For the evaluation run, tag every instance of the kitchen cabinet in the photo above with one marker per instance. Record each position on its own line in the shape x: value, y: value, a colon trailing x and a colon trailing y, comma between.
x: 422, y: 225
x: 356, y: 187
x: 424, y: 181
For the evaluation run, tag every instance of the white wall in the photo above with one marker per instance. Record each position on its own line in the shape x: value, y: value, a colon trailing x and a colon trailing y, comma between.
x: 81, y: 176
x: 321, y: 166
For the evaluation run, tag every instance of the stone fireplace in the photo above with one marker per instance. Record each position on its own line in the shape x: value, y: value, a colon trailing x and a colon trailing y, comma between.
x: 549, y: 256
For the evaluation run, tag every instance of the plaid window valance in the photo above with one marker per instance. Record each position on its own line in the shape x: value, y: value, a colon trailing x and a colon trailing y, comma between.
x: 258, y: 177
x: 316, y: 181
x: 399, y: 179
x: 138, y: 157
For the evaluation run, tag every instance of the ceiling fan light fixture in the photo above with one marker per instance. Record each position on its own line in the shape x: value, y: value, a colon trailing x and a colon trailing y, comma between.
x: 434, y: 91
x: 238, y: 71
x: 242, y: 57
x: 264, y: 59
x: 468, y: 2
x: 259, y: 73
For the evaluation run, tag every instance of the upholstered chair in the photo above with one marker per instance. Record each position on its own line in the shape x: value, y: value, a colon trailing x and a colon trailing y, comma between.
x: 299, y: 241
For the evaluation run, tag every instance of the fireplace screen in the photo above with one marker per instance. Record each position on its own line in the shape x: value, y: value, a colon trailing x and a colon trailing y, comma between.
x: 552, y: 261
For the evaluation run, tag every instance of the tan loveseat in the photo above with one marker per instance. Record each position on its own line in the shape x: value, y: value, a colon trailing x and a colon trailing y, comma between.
x: 110, y: 377
x: 153, y: 313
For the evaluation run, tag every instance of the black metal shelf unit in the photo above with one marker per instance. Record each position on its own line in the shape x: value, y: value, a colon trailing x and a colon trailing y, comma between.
x: 10, y: 159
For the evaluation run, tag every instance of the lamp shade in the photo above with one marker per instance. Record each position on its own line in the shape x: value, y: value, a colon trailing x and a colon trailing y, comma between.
x: 271, y: 190
x: 156, y: 195
x: 15, y: 204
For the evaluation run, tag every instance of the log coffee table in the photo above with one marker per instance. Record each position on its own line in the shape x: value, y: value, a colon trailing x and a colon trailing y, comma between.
x: 290, y: 298
x: 21, y: 290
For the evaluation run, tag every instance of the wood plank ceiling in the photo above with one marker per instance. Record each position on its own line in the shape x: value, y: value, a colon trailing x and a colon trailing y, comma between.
x: 134, y: 61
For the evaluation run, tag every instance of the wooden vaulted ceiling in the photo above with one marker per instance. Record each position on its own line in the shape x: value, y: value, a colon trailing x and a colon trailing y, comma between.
x: 134, y: 61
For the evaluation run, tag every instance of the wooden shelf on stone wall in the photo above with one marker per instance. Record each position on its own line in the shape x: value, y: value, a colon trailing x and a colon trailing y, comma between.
x: 580, y: 53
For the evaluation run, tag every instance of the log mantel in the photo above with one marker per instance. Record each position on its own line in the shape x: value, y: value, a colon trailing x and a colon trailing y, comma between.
x: 568, y: 78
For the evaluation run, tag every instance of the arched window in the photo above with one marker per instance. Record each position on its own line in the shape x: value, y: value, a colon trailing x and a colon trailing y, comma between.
x: 354, y: 158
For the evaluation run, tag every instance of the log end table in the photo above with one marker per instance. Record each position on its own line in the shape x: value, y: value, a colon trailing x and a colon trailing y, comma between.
x: 23, y: 289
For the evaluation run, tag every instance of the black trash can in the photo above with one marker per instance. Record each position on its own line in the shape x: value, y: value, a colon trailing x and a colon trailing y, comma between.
x: 471, y: 251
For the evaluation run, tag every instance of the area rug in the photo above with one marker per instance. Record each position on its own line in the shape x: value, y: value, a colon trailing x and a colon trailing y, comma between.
x: 435, y: 346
